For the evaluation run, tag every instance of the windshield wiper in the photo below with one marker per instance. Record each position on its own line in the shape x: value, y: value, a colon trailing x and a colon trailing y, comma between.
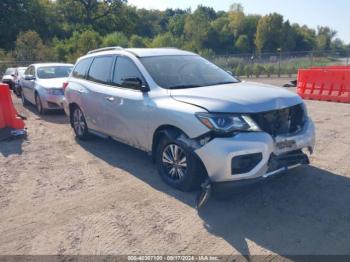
x: 224, y: 83
x: 183, y: 86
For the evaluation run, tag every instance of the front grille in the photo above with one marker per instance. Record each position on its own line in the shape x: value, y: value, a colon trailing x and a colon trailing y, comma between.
x: 280, y: 122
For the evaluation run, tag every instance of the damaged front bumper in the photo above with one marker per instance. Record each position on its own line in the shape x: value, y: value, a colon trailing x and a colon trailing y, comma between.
x: 247, y: 158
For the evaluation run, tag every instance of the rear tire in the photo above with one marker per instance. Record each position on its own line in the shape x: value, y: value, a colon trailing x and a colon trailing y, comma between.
x: 177, y: 165
x: 79, y: 124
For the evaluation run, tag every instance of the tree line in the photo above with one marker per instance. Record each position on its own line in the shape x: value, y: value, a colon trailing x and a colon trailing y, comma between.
x: 62, y: 30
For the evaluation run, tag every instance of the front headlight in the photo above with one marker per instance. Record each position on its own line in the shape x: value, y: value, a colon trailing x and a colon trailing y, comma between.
x: 228, y: 123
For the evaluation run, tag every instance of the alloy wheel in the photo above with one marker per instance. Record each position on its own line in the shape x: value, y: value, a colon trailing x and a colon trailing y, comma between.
x: 174, y: 162
x: 79, y: 122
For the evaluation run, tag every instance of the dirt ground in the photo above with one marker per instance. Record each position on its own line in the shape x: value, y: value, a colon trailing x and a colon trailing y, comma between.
x: 61, y: 196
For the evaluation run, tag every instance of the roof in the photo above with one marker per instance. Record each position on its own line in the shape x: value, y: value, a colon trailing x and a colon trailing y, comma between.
x: 51, y: 64
x: 146, y: 52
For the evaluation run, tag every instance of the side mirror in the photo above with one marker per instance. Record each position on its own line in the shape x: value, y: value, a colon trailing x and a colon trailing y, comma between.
x: 13, y: 75
x: 135, y: 83
x: 29, y: 77
x: 230, y: 72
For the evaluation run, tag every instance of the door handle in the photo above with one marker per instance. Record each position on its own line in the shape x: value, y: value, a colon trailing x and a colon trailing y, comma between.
x: 110, y: 99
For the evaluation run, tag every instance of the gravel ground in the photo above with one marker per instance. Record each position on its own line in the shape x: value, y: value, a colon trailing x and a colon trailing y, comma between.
x: 61, y: 196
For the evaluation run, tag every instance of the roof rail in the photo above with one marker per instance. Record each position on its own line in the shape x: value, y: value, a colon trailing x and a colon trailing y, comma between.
x: 105, y: 49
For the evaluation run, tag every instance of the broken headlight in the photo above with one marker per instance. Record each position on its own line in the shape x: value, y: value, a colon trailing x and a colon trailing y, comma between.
x: 225, y: 124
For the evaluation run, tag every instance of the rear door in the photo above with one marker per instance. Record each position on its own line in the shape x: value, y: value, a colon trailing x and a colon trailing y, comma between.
x: 96, y: 100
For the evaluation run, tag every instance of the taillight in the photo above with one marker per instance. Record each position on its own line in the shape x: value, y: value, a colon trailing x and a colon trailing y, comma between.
x: 65, y: 85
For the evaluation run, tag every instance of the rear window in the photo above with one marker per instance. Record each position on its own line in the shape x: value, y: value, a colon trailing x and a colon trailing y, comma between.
x: 100, y: 70
x: 82, y: 68
x: 48, y: 72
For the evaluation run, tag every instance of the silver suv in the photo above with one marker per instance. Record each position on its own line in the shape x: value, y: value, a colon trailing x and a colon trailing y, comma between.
x: 195, y: 119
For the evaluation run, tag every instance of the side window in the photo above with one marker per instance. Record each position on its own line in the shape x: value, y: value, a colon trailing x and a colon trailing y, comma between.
x: 81, y: 68
x: 28, y: 71
x: 100, y: 70
x: 125, y: 68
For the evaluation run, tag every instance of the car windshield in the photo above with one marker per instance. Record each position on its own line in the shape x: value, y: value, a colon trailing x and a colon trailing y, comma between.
x: 185, y: 71
x: 48, y: 72
x: 9, y: 71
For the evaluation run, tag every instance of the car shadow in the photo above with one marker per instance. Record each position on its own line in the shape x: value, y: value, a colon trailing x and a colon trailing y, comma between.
x: 52, y: 116
x: 305, y: 211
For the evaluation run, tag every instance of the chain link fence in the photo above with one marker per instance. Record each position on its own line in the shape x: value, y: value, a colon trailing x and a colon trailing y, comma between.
x: 278, y: 64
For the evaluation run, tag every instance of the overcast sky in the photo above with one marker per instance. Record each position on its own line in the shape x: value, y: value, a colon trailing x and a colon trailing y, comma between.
x: 335, y: 13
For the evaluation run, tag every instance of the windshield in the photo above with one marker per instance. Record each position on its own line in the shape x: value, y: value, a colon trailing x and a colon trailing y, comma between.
x: 48, y: 72
x: 185, y: 71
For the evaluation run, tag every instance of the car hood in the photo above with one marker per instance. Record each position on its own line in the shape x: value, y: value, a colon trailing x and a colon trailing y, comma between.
x: 52, y: 83
x: 7, y: 77
x: 243, y: 97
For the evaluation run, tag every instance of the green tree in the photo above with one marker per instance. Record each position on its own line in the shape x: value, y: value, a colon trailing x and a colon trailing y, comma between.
x: 242, y: 43
x: 305, y: 38
x: 220, y: 38
x: 258, y: 70
x: 288, y: 37
x: 236, y: 24
x: 177, y: 25
x: 239, y: 71
x: 269, y: 33
x: 29, y: 47
x: 137, y: 41
x: 115, y: 39
x: 197, y: 27
x: 95, y: 10
x: 324, y: 38
x: 236, y: 7
x: 166, y: 40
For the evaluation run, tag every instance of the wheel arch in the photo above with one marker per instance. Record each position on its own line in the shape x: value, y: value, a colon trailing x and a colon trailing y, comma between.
x: 173, y: 132
x: 164, y: 130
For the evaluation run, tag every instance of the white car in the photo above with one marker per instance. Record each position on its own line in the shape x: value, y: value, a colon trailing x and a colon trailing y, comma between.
x: 42, y: 85
x: 195, y: 119
x: 9, y: 77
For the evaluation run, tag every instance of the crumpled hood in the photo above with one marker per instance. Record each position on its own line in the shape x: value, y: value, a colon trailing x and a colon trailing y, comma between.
x: 52, y: 83
x: 244, y: 97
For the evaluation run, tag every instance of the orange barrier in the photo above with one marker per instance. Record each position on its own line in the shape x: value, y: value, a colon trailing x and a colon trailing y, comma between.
x: 325, y: 84
x: 8, y: 114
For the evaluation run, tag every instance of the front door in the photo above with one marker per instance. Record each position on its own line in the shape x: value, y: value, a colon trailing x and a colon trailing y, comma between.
x: 127, y: 110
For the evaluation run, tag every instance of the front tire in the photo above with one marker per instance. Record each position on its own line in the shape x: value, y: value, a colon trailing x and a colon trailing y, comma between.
x: 39, y: 105
x: 24, y: 99
x: 177, y: 165
x: 79, y: 124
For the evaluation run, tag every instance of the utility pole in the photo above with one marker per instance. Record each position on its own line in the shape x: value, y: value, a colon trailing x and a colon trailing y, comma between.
x: 279, y: 61
x: 252, y: 65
